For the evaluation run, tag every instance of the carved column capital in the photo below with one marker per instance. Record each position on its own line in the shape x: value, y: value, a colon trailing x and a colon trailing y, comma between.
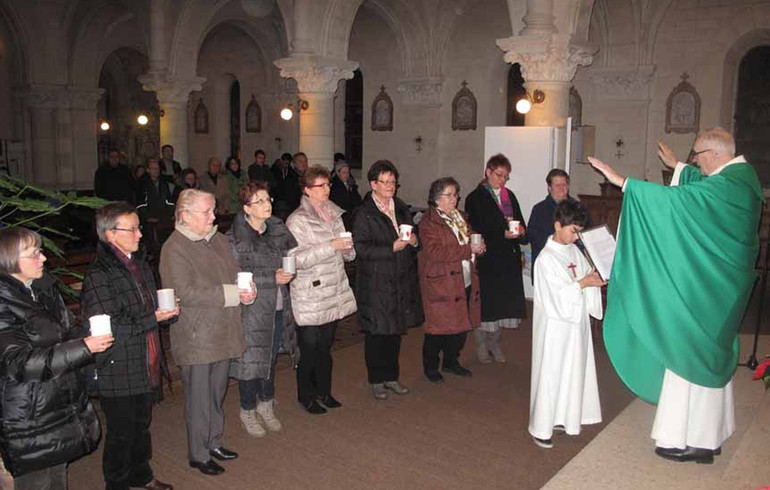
x: 45, y: 96
x: 84, y: 98
x: 169, y: 90
x: 424, y: 92
x: 545, y: 57
x: 315, y: 74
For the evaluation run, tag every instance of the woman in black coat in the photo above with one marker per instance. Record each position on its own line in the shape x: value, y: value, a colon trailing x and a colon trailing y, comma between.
x: 490, y: 207
x: 47, y: 418
x: 387, y: 286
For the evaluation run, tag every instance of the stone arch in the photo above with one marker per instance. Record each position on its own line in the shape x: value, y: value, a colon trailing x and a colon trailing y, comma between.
x: 658, y: 11
x: 583, y: 10
x: 599, y: 33
x: 20, y: 54
x: 268, y: 44
x: 101, y: 30
x: 733, y: 57
x: 197, y: 18
x: 400, y: 17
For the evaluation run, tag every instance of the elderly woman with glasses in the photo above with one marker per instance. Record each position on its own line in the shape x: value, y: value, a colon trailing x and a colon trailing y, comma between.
x: 47, y: 420
x: 320, y: 294
x: 449, y: 282
x: 259, y: 241
x: 491, y: 207
x: 197, y: 263
x: 387, y: 286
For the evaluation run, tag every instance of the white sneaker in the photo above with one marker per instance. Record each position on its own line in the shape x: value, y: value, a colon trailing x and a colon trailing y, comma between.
x: 251, y: 424
x: 266, y: 414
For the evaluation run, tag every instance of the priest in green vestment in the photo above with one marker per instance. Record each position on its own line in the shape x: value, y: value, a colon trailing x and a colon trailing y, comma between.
x: 681, y: 278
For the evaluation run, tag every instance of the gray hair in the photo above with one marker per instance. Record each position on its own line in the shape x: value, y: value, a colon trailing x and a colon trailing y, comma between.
x: 718, y: 139
x: 107, y: 217
x: 12, y: 242
x: 438, y: 186
x: 187, y: 199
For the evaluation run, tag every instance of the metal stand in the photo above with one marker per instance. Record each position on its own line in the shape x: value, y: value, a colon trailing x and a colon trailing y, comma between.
x: 752, y: 362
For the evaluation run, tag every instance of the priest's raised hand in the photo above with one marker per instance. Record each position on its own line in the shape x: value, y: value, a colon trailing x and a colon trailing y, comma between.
x: 608, y: 172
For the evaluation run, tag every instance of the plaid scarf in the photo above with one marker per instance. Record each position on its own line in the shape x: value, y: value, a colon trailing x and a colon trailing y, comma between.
x: 504, y: 203
x: 153, y: 341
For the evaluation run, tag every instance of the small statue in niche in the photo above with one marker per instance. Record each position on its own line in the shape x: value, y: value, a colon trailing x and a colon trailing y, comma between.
x: 253, y: 116
x: 201, y: 118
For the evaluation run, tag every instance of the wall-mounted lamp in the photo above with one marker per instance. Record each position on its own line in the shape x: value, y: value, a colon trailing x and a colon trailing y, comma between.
x: 524, y: 105
x: 288, y: 112
x: 142, y: 120
x: 418, y: 142
x: 104, y: 126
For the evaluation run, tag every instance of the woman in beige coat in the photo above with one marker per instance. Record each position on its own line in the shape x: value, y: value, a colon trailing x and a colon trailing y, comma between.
x: 320, y: 293
x: 196, y: 262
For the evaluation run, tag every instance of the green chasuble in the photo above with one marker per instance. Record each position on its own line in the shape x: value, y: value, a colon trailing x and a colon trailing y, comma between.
x: 681, y: 277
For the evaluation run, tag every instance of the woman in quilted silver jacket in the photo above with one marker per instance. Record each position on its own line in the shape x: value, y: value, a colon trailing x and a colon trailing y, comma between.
x: 320, y: 293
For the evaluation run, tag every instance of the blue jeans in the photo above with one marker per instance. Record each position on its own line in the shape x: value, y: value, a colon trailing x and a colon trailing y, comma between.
x: 262, y: 389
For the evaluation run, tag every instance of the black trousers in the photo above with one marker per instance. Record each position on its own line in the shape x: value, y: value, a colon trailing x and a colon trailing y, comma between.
x: 314, y: 371
x: 127, y: 445
x: 433, y: 345
x: 381, y: 353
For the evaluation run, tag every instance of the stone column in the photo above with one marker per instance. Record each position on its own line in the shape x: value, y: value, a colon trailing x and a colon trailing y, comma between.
x: 157, y: 35
x: 48, y: 106
x: 173, y: 96
x: 317, y: 80
x: 539, y: 18
x: 84, y: 132
x: 548, y: 63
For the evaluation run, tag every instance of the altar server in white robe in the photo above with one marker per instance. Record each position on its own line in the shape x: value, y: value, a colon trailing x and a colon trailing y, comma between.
x: 564, y: 392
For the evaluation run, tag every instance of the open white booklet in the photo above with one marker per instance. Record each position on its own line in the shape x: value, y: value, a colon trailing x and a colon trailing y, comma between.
x: 599, y: 245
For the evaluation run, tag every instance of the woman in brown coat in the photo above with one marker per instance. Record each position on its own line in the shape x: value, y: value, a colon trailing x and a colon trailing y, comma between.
x: 196, y: 262
x: 449, y: 282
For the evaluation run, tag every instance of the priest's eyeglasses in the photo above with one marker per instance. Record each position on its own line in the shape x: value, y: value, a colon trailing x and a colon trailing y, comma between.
x: 695, y: 154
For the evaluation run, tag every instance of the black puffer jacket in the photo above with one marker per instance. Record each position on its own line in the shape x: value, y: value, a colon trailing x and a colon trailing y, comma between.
x: 110, y: 289
x: 46, y: 417
x: 387, y: 285
x: 262, y: 255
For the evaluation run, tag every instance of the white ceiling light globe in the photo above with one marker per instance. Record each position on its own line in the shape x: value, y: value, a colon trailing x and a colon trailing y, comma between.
x: 105, y: 126
x: 286, y: 114
x: 142, y: 119
x: 523, y: 106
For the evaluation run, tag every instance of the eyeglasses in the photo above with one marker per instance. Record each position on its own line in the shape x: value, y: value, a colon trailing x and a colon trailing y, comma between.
x: 503, y: 176
x: 694, y: 154
x: 129, y: 230
x: 36, y: 254
x: 389, y: 183
x: 325, y: 184
x: 261, y: 201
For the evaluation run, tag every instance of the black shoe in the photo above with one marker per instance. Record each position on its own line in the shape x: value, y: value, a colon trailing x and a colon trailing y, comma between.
x: 223, y: 454
x: 458, y: 370
x: 699, y: 455
x: 210, y: 467
x: 314, y: 407
x: 434, y: 377
x: 329, y: 401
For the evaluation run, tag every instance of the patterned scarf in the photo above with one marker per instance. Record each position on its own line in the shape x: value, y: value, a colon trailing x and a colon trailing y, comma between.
x: 388, y: 209
x: 504, y: 203
x: 153, y: 341
x: 454, y: 219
